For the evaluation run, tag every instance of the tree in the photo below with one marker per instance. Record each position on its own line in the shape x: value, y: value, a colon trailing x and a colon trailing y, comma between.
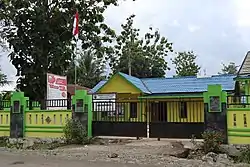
x: 3, y: 79
x: 185, y: 64
x: 231, y: 68
x: 40, y: 35
x: 144, y: 56
x: 89, y: 70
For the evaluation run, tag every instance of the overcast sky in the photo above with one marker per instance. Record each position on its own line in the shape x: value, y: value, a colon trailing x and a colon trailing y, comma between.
x: 217, y: 30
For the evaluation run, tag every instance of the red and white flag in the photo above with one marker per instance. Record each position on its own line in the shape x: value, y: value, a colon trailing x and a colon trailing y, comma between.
x: 75, y: 25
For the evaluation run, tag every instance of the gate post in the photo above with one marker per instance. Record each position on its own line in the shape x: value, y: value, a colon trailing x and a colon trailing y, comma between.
x: 215, y: 110
x: 82, y: 109
x: 17, y: 111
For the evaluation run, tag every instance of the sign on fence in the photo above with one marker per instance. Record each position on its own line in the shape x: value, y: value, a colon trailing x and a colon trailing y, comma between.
x: 104, y: 102
x: 56, y: 92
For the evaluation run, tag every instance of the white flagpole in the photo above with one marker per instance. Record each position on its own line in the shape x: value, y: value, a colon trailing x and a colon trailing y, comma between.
x: 76, y: 33
x: 75, y: 59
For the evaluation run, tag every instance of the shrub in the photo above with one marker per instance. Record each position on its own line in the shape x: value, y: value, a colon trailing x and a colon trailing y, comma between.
x: 75, y: 132
x: 244, y: 156
x: 212, y: 141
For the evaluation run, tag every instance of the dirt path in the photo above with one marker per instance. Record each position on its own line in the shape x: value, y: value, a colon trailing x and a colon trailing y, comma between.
x: 10, y: 160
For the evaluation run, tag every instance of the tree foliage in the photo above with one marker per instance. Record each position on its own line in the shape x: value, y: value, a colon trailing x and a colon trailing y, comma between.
x: 231, y: 68
x: 185, y: 64
x: 145, y: 55
x: 3, y: 79
x: 40, y: 36
x: 89, y: 70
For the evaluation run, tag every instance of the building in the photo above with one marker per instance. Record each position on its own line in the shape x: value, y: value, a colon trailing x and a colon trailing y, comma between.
x: 175, y: 101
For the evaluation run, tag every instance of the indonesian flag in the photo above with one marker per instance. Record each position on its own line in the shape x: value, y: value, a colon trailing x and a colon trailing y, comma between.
x: 75, y: 25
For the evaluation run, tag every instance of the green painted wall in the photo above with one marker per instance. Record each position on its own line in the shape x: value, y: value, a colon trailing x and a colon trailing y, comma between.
x: 52, y: 129
x: 85, y: 108
x: 215, y: 91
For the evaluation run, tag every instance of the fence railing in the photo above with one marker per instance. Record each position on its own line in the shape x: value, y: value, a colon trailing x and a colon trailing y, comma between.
x: 242, y: 101
x: 110, y: 110
x: 49, y: 103
x: 143, y: 110
x: 4, y: 104
x: 41, y: 104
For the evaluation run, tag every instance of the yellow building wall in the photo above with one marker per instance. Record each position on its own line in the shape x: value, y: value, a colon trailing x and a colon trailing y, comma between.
x: 46, y: 123
x: 195, y: 109
x: 238, y: 120
x: 125, y: 93
x: 4, y: 123
x: 117, y: 84
x: 195, y: 112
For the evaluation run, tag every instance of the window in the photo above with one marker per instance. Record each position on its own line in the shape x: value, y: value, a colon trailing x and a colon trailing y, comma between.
x: 133, y: 110
x: 183, y: 109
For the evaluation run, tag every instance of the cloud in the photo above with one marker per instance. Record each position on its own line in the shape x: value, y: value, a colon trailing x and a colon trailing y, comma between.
x: 218, y: 31
x: 215, y: 30
x: 243, y: 12
x: 193, y: 28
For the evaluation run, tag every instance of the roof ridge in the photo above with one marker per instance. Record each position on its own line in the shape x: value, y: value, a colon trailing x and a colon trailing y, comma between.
x: 129, y: 78
x: 145, y: 86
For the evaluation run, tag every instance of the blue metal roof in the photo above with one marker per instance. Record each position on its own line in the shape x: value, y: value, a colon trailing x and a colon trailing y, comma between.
x: 98, y: 86
x: 136, y: 82
x: 176, y: 84
x: 188, y: 84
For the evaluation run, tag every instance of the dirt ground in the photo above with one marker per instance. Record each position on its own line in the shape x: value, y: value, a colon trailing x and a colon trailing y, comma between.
x: 129, y: 154
x: 141, y: 153
x: 8, y: 159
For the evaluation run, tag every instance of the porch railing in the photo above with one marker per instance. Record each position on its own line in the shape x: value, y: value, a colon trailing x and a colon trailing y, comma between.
x: 242, y: 101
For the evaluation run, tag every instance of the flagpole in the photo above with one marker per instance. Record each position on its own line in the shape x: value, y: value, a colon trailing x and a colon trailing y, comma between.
x: 76, y: 33
x: 75, y: 64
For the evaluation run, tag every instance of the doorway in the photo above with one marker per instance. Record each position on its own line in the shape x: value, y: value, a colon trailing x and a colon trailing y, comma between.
x: 158, y: 111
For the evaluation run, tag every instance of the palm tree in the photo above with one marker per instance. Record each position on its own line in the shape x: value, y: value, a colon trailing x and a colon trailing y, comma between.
x: 89, y: 70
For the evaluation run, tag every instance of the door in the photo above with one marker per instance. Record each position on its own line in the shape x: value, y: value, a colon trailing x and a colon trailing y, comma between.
x: 158, y: 111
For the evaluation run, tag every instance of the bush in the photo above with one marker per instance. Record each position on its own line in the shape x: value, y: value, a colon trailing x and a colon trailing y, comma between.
x: 75, y: 132
x: 212, y: 141
x: 244, y: 156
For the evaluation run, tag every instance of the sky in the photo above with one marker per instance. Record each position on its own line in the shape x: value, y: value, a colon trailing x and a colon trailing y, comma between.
x: 217, y: 31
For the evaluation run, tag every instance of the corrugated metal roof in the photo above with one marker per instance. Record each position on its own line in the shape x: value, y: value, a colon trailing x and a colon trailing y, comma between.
x: 98, y: 86
x: 188, y: 84
x: 136, y: 82
x: 176, y: 84
x: 245, y: 66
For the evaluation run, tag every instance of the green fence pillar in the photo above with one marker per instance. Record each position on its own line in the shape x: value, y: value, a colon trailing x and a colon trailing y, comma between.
x: 215, y: 110
x: 82, y: 109
x: 17, y: 111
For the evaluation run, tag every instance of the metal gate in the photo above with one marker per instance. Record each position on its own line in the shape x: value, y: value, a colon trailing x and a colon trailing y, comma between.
x: 16, y: 120
x: 176, y: 119
x: 126, y: 118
